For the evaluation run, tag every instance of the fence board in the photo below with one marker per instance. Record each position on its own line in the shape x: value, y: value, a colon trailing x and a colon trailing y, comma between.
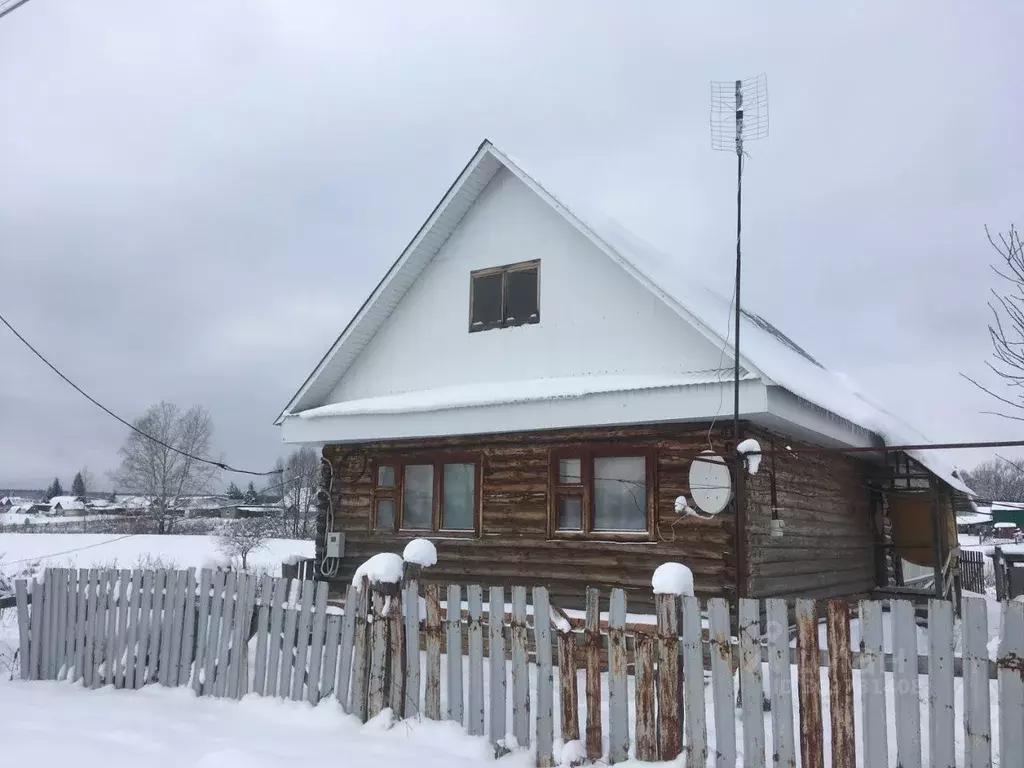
x: 941, y: 713
x: 131, y: 655
x: 314, y: 691
x: 646, y: 741
x: 520, y: 671
x: 592, y: 657
x: 80, y: 623
x: 167, y: 627
x: 692, y: 672
x: 432, y: 695
x: 329, y: 670
x: 221, y: 674
x: 214, y: 632
x: 288, y: 638
x: 35, y: 635
x: 545, y: 679
x: 840, y: 685
x: 977, y: 715
x: 396, y: 662
x: 908, y: 706
x: 118, y: 615
x: 202, y: 628
x: 348, y: 632
x: 722, y: 682
x: 259, y: 680
x: 177, y: 625
x: 156, y: 626
x: 72, y: 623
x: 21, y: 594
x: 669, y: 731
x: 274, y: 641
x: 302, y: 640
x: 238, y: 661
x: 102, y: 616
x: 496, y: 662
x: 361, y: 654
x: 61, y: 628
x: 751, y: 682
x: 475, y: 634
x: 189, y: 632
x: 46, y: 624
x: 145, y: 628
x: 781, y: 686
x: 411, y: 594
x: 375, y: 700
x: 1011, y: 681
x: 618, y: 691
x: 872, y: 686
x: 453, y: 650
x: 812, y: 753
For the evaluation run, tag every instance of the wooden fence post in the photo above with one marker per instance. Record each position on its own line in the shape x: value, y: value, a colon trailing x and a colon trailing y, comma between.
x: 520, y: 670
x: 412, y: 640
x: 453, y: 653
x: 812, y: 747
x: 752, y: 682
x: 872, y: 686
x: 694, y: 715
x: 840, y: 685
x: 592, y: 656
x: 646, y: 741
x: 475, y: 645
x: 545, y: 678
x: 669, y: 739
x: 905, y: 684
x: 396, y: 665
x: 432, y: 693
x: 496, y: 663
x: 361, y: 654
x: 618, y: 703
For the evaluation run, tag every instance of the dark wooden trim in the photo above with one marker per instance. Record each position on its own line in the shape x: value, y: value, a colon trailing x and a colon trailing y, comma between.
x: 396, y: 493
x: 504, y: 270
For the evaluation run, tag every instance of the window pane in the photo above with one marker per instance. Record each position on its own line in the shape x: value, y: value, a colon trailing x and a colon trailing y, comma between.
x: 486, y: 301
x: 385, y: 477
x: 569, y: 472
x: 570, y: 513
x: 459, y: 483
x: 385, y: 515
x: 521, y: 305
x: 418, y: 496
x: 620, y: 494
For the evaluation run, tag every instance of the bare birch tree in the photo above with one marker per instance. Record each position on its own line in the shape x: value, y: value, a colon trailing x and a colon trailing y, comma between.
x: 170, y: 468
x: 997, y: 480
x: 298, y: 477
x: 241, y: 538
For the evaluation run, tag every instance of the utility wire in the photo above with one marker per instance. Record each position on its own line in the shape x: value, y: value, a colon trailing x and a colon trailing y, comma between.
x: 220, y: 465
x: 8, y: 7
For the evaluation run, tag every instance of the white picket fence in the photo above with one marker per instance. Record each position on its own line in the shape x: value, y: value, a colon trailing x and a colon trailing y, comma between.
x: 131, y: 628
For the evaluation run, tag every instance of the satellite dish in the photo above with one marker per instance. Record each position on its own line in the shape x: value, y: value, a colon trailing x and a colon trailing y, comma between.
x: 710, y: 483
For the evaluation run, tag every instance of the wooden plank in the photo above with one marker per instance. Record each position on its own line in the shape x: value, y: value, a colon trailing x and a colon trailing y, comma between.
x: 694, y: 717
x: 121, y: 632
x: 189, y: 632
x: 274, y: 642
x: 872, y: 685
x: 132, y: 631
x: 840, y: 685
x: 24, y: 651
x: 81, y: 624
x: 100, y: 641
x: 812, y: 745
x: 202, y: 628
x: 177, y: 625
x: 145, y: 627
x: 475, y: 645
x: 646, y: 742
x: 110, y: 647
x: 72, y: 623
x: 167, y: 626
x: 396, y: 655
x: 329, y: 670
x: 977, y: 714
x: 453, y: 653
x: 217, y: 600
x: 411, y: 595
x: 361, y: 655
x: 751, y: 682
x: 46, y: 605
x: 238, y: 658
x: 941, y: 712
x: 545, y: 704
x: 60, y: 622
x: 669, y: 727
x: 432, y: 694
x: 592, y: 660
x: 781, y: 686
x: 314, y: 690
x: 36, y: 633
x: 156, y: 625
x: 520, y: 670
x: 722, y: 687
x: 259, y: 683
x: 496, y: 663
x: 291, y: 620
x: 907, y: 703
x: 219, y: 682
x: 1011, y: 681
x: 618, y: 703
x: 345, y: 651
x: 299, y: 665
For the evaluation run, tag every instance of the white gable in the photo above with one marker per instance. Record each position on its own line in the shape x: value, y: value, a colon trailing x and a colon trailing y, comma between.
x: 595, y: 318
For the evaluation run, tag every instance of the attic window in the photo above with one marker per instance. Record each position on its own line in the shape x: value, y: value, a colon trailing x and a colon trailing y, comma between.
x: 503, y: 297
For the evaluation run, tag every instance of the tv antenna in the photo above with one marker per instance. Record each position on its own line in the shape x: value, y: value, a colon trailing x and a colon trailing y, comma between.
x: 739, y: 113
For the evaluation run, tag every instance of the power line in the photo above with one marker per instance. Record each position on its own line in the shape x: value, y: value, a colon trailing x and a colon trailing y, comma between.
x: 10, y: 6
x: 220, y: 465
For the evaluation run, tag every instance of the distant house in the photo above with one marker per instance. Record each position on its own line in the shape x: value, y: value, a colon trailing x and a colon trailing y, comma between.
x: 530, y: 384
x: 1008, y: 512
x: 975, y: 524
x: 64, y: 505
x: 6, y: 503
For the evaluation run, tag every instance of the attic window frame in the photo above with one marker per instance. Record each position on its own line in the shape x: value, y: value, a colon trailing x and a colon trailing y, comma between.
x: 504, y: 271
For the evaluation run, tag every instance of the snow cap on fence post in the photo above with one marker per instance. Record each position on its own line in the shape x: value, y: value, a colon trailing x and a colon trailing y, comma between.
x: 421, y: 552
x: 752, y: 450
x: 382, y: 568
x: 672, y: 579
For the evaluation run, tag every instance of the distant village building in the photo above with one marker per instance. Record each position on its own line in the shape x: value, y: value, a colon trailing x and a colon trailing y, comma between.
x: 63, y: 505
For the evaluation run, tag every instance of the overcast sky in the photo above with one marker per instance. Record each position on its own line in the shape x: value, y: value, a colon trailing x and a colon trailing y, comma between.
x: 195, y: 196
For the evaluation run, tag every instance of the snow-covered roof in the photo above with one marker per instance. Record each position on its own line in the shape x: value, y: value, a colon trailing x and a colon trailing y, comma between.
x: 764, y: 351
x: 66, y: 502
x: 978, y: 519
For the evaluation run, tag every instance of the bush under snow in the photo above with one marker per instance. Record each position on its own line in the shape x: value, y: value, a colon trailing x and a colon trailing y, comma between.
x: 420, y: 552
x: 384, y: 567
x: 672, y: 579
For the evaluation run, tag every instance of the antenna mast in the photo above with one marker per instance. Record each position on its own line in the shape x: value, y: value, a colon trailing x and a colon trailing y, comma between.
x: 739, y: 113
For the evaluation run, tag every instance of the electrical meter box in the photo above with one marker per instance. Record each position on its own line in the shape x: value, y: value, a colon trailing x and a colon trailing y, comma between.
x: 335, y: 545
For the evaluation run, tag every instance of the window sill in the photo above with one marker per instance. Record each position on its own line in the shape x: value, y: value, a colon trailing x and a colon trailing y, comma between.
x: 599, y: 536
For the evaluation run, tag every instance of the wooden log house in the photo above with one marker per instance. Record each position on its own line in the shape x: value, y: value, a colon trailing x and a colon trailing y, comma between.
x: 528, y: 386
